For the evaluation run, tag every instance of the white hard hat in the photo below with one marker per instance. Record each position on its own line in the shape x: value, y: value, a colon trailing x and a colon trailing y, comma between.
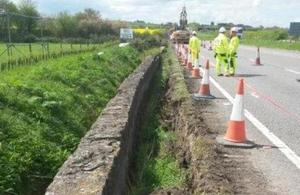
x: 194, y: 33
x: 234, y: 29
x: 222, y: 29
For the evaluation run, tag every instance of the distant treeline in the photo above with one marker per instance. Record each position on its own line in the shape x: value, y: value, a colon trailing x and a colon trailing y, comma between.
x: 26, y: 24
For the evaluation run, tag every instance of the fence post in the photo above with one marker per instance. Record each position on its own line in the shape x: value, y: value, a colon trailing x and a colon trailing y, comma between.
x: 61, y: 48
x: 30, y: 53
x: 43, y: 48
x: 9, y: 56
x: 48, y: 51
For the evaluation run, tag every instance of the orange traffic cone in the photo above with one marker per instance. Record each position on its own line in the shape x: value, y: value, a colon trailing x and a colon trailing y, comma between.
x: 204, y: 91
x: 257, y: 60
x: 189, y: 64
x: 196, y: 70
x: 210, y: 46
x: 236, y: 131
x: 186, y: 59
x: 236, y: 127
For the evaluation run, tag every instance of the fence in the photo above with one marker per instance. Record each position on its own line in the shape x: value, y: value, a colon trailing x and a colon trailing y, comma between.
x: 17, y: 54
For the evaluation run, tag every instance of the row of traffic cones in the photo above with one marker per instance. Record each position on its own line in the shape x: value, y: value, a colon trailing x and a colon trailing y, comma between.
x: 207, y: 45
x: 236, y: 131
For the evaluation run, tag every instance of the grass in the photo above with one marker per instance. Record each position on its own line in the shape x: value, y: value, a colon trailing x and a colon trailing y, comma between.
x: 22, y: 49
x: 47, y: 108
x: 155, y: 166
x: 207, y: 35
x: 270, y: 38
x: 273, y: 44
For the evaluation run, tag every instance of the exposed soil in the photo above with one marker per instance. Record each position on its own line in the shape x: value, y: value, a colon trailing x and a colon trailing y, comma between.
x: 212, y: 169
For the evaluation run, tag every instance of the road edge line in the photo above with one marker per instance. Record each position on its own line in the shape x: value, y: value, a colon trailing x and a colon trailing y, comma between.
x: 289, y: 153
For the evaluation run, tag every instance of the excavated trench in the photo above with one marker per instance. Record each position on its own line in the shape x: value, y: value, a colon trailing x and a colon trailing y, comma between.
x: 153, y: 139
x: 193, y: 149
x: 208, y: 168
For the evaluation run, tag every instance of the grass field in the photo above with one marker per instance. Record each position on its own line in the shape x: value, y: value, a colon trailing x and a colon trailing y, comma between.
x: 20, y: 50
x: 271, y: 38
x: 45, y: 109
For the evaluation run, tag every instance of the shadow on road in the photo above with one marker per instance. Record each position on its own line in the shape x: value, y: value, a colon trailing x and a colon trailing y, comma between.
x: 249, y: 75
x: 259, y: 146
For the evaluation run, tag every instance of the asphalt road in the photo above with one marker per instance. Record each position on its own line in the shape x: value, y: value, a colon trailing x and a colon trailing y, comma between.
x: 272, y: 96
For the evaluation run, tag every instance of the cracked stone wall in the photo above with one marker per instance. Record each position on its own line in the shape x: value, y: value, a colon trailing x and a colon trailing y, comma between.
x: 100, y: 163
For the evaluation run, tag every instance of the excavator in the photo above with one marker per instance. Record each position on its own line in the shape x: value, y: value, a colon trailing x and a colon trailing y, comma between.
x: 181, y: 35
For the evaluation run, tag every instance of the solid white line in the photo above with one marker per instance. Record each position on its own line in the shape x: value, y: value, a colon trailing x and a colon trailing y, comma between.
x: 290, y: 154
x: 292, y: 71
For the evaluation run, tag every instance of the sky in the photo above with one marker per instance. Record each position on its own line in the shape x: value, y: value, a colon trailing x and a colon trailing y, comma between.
x: 252, y: 12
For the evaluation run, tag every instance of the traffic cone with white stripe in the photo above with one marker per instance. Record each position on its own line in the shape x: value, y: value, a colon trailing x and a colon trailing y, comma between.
x: 180, y: 50
x: 257, y: 60
x: 210, y: 46
x: 186, y: 52
x: 236, y: 126
x: 236, y: 131
x: 196, y: 70
x: 204, y: 91
x: 190, y: 63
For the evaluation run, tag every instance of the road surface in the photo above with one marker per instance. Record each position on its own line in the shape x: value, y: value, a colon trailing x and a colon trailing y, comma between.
x: 272, y: 103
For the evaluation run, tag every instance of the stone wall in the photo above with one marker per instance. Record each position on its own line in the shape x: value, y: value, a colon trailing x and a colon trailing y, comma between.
x: 100, y: 163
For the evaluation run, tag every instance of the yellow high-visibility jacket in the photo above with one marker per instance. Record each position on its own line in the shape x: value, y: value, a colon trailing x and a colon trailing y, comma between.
x: 221, y: 44
x: 233, y: 45
x: 194, y: 46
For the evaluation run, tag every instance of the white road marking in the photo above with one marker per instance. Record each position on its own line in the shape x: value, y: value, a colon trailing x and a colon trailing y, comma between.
x: 292, y: 71
x: 226, y: 103
x: 289, y: 153
x: 255, y: 95
x: 252, y: 60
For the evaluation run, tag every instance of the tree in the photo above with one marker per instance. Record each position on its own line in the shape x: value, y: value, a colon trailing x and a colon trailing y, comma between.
x: 194, y: 26
x: 66, y: 25
x: 8, y: 6
x: 28, y: 8
x: 89, y: 23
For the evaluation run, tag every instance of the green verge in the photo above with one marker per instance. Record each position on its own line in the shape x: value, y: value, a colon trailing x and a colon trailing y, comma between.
x: 46, y: 109
x: 270, y: 38
x: 154, y: 166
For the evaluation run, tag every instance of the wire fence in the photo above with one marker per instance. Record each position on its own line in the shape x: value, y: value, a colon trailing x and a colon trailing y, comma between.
x: 17, y: 54
x: 15, y: 29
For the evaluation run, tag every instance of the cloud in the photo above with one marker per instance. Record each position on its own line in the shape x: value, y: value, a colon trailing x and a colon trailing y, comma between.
x: 253, y: 12
x: 256, y: 3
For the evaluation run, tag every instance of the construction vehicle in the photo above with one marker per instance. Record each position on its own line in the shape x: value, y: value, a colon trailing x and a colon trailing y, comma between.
x: 181, y: 35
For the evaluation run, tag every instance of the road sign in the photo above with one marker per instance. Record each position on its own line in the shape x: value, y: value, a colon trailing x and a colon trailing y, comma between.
x: 126, y: 33
x: 295, y: 28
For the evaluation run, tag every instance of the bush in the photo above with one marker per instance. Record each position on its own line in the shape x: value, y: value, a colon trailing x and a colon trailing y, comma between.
x: 146, y: 41
x: 30, y: 38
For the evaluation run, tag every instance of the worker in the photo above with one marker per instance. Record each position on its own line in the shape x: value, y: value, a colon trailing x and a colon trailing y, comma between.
x: 221, y: 48
x: 194, y: 48
x: 232, y: 50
